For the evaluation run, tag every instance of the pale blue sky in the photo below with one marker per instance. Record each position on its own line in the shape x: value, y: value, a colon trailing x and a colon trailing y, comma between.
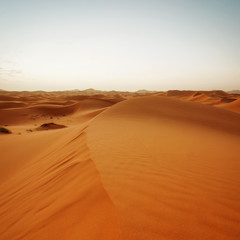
x: 121, y: 45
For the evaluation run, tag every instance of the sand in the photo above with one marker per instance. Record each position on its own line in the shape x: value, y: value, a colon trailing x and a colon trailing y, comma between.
x: 118, y: 165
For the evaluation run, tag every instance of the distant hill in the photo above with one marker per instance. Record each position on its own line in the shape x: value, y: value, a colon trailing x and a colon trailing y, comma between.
x: 234, y: 92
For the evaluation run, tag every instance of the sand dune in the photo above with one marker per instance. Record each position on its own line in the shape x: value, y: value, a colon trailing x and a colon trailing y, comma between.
x: 233, y: 106
x: 58, y: 194
x: 218, y: 98
x: 170, y: 183
x: 138, y: 166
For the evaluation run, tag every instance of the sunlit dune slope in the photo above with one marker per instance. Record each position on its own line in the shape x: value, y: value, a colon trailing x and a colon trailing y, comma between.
x: 170, y: 167
x: 57, y: 192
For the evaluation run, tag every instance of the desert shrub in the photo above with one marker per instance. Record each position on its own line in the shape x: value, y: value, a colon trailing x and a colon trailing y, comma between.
x: 4, y: 130
x: 51, y: 125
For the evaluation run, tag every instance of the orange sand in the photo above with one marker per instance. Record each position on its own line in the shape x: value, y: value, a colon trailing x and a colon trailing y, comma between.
x: 127, y: 166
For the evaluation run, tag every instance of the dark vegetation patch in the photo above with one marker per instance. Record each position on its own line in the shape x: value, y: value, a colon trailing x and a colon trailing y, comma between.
x: 50, y: 126
x: 4, y: 130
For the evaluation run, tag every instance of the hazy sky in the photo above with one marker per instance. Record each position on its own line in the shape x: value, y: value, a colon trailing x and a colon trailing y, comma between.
x: 122, y: 45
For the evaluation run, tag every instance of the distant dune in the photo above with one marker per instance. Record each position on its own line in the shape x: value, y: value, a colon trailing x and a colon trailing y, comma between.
x: 233, y: 106
x: 120, y: 165
x: 217, y: 98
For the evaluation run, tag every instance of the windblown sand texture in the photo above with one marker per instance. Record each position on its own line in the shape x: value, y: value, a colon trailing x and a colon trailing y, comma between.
x: 119, y: 165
